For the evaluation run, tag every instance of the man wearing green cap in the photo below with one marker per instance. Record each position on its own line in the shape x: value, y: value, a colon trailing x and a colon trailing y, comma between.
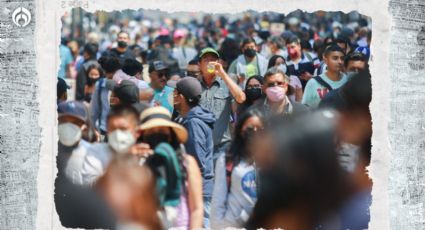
x: 218, y: 92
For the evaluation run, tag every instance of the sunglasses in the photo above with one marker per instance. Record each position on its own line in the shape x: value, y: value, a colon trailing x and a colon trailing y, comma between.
x: 161, y: 75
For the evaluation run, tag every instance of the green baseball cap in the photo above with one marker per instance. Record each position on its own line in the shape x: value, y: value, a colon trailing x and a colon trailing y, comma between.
x: 208, y: 50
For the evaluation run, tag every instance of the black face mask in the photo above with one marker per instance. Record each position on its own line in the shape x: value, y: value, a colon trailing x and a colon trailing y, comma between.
x: 248, y: 134
x: 91, y: 81
x: 249, y: 53
x: 253, y: 94
x: 122, y: 44
x: 155, y: 139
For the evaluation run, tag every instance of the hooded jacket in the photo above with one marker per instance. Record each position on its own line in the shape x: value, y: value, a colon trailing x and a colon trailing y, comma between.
x: 199, y: 124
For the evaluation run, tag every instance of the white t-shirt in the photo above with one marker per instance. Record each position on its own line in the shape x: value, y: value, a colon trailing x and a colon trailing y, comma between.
x: 98, y: 157
x: 75, y: 163
x: 232, y: 207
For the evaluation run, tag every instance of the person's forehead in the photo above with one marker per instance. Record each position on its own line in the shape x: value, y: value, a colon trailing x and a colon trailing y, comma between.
x: 159, y: 129
x: 157, y: 73
x: 280, y: 60
x: 251, y: 44
x: 209, y: 56
x: 123, y: 35
x: 275, y: 77
x: 254, y: 120
x: 94, y: 70
x: 253, y: 81
x: 292, y: 44
x: 193, y: 67
x: 356, y: 62
x: 71, y: 119
x: 122, y: 120
x: 336, y: 54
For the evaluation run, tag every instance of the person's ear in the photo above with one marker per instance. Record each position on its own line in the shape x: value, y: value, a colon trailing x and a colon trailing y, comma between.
x: 84, y: 127
x: 138, y: 133
x: 325, y: 59
x: 114, y: 101
x: 181, y: 98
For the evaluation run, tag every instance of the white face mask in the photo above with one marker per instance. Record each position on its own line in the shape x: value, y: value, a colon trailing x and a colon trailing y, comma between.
x: 265, y: 51
x: 121, y: 141
x: 348, y: 156
x: 282, y: 67
x: 69, y: 134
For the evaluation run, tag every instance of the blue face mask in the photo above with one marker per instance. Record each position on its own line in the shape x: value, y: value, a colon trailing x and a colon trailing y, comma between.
x: 282, y: 67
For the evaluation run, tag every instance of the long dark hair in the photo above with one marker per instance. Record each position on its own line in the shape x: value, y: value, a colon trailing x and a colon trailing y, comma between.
x: 238, y: 147
x: 91, y: 82
x: 260, y: 79
x: 273, y: 60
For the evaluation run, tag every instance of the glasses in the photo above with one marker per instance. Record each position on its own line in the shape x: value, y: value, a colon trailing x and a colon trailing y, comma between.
x: 278, y: 83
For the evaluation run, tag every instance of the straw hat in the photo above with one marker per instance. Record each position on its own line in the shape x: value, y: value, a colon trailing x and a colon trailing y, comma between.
x: 159, y: 116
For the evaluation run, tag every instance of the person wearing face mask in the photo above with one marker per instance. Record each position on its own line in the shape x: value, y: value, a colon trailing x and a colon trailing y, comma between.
x: 276, y: 45
x: 122, y: 134
x: 299, y: 63
x: 280, y: 63
x: 77, y: 206
x: 253, y: 92
x: 72, y: 119
x: 235, y: 189
x: 276, y: 87
x: 199, y: 123
x: 99, y: 105
x: 249, y: 63
x: 89, y: 54
x: 122, y: 52
x: 156, y: 128
x: 94, y: 73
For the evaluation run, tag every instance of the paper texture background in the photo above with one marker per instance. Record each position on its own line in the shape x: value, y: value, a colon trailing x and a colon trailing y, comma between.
x: 28, y: 126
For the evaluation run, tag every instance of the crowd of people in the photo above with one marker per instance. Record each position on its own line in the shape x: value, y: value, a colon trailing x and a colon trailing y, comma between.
x: 217, y: 124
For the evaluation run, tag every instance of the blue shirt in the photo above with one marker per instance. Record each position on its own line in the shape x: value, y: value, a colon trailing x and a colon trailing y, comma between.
x: 66, y: 59
x: 164, y: 98
x: 99, y: 105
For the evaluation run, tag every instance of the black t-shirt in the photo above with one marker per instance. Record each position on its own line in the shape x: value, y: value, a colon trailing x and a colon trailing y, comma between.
x: 128, y: 54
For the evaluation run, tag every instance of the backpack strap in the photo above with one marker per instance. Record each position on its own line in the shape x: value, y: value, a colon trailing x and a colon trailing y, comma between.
x: 309, y: 57
x: 99, y: 98
x: 229, y: 169
x: 322, y: 82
